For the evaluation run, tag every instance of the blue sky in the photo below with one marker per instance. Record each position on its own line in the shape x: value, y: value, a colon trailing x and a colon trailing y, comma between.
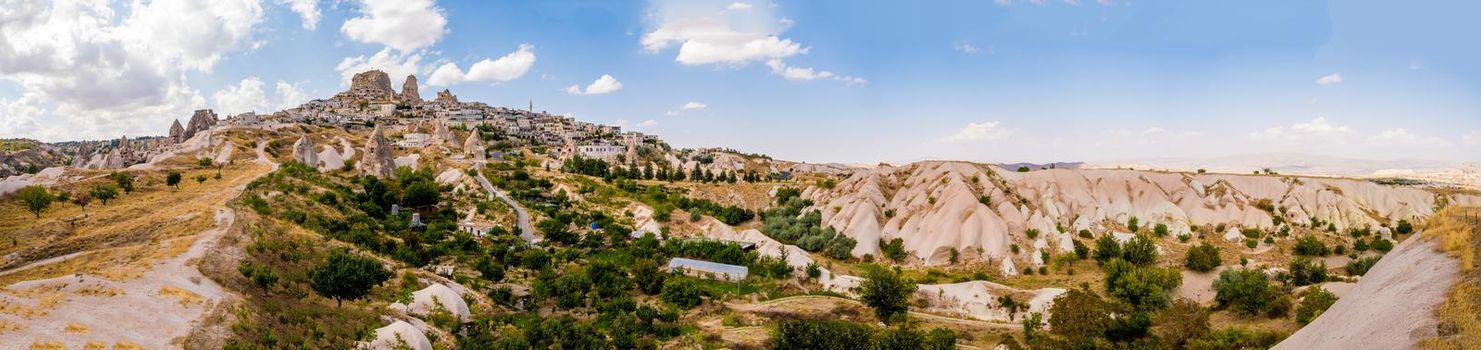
x: 823, y: 81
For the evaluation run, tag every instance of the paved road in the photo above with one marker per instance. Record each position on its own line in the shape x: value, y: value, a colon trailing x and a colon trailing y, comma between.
x: 525, y: 231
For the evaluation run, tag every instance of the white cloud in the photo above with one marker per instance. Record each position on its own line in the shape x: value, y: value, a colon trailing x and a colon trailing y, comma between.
x: 710, y: 40
x: 98, y: 69
x: 648, y: 123
x: 1402, y: 137
x: 604, y: 85
x: 290, y: 95
x: 692, y: 105
x: 396, y: 65
x: 804, y: 74
x: 1316, y: 129
x: 1330, y: 79
x: 967, y: 49
x: 308, y: 10
x: 250, y: 95
x: 401, y: 24
x: 734, y: 35
x: 247, y: 96
x: 979, y: 132
x: 510, y: 67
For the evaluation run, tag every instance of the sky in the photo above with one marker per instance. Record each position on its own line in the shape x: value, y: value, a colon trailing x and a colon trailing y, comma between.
x: 818, y: 81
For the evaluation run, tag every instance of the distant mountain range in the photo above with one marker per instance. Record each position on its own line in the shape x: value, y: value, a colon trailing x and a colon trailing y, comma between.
x: 1289, y: 163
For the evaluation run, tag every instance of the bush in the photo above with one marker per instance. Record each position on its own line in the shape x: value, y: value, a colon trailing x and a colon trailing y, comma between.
x: 1247, y: 292
x: 1160, y: 230
x: 1237, y: 338
x: 1383, y: 245
x: 1310, y: 246
x: 1360, y: 266
x: 683, y: 292
x: 1281, y: 306
x: 821, y: 334
x: 1304, y: 271
x: 1202, y: 258
x: 1140, y: 251
x: 1143, y: 287
x: 1314, y: 301
x: 894, y: 249
x: 1403, y: 227
x: 1032, y: 233
x: 1106, y: 248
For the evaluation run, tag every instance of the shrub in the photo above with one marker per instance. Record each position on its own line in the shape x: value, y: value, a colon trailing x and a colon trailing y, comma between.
x: 1383, y: 245
x: 1314, y: 301
x: 1031, y: 233
x: 1143, y: 287
x: 894, y: 249
x: 1160, y: 230
x: 1107, y: 248
x: 1086, y: 234
x: 1237, y: 338
x: 1081, y: 251
x: 1202, y: 258
x: 1280, y: 306
x: 1403, y: 227
x: 683, y: 292
x: 1304, y: 271
x: 1079, y: 314
x: 1131, y: 224
x: 822, y: 334
x: 1140, y: 250
x: 1247, y: 292
x: 1310, y: 246
x: 1360, y: 266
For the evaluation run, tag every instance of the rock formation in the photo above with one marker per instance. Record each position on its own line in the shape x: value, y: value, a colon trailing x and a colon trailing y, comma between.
x: 473, y: 146
x: 446, y: 98
x: 369, y: 86
x: 981, y: 210
x: 202, y: 120
x: 409, y: 93
x: 377, y: 159
x: 441, y: 134
x: 303, y: 151
x: 177, y: 132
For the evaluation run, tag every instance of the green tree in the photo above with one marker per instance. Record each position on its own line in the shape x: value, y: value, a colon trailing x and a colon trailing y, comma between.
x: 345, y: 275
x: 204, y: 162
x: 683, y: 292
x: 1132, y: 224
x: 200, y: 179
x: 1181, y: 322
x: 886, y: 291
x: 893, y: 249
x: 1311, y: 246
x: 124, y: 181
x: 1314, y: 301
x: 822, y: 335
x: 1143, y: 287
x: 173, y: 179
x: 1106, y: 248
x: 1140, y: 250
x: 1079, y: 314
x: 36, y: 198
x: 1202, y: 258
x: 1032, y: 326
x: 1248, y: 292
x: 104, y: 193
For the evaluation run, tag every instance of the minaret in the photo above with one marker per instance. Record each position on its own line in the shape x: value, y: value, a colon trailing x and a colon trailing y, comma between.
x: 532, y: 105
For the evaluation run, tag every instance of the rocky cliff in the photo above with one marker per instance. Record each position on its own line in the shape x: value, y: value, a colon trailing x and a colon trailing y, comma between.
x: 981, y: 210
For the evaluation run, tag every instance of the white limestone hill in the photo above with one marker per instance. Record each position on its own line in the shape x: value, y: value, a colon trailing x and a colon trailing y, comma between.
x: 936, y: 206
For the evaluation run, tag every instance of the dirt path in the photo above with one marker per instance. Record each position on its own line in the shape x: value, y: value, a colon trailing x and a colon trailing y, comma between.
x: 819, y: 299
x: 152, y: 311
x: 1392, y: 307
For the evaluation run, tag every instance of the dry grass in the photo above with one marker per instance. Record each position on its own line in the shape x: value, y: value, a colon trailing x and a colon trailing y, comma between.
x: 187, y: 298
x: 48, y: 345
x: 77, y: 328
x: 95, y: 345
x: 1458, y: 233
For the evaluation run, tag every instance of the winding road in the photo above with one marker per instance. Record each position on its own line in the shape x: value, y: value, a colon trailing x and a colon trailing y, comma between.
x: 525, y: 231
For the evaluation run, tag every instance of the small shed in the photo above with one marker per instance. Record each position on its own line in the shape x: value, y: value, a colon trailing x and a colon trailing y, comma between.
x: 709, y: 269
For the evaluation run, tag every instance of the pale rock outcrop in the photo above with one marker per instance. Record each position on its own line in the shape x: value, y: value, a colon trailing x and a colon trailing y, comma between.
x: 201, y: 120
x: 980, y: 210
x: 446, y: 98
x: 303, y: 151
x: 396, y: 335
x: 450, y: 176
x: 437, y: 296
x: 377, y: 158
x: 473, y: 147
x: 1233, y: 235
x: 979, y: 300
x: 177, y: 132
x: 369, y: 86
x: 409, y: 93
